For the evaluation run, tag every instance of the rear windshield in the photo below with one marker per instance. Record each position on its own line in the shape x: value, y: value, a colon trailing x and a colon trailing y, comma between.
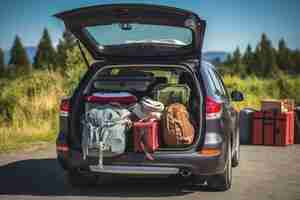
x: 134, y: 34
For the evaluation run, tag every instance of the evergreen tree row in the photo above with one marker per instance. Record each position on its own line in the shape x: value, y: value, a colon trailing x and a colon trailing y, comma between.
x: 46, y: 57
x: 264, y: 61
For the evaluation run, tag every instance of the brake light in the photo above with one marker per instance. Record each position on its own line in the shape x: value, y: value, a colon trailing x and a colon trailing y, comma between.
x: 65, y: 107
x: 213, y: 108
x: 62, y: 147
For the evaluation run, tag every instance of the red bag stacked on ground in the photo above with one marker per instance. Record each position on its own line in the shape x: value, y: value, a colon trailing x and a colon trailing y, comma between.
x: 273, y: 128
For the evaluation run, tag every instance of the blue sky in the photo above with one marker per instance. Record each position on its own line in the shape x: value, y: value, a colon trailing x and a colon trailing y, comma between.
x: 231, y: 23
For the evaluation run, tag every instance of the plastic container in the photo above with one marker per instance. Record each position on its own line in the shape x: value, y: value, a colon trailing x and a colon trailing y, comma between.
x: 273, y: 128
x: 145, y: 134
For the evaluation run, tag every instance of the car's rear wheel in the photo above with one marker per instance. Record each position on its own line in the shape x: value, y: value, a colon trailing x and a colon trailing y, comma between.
x: 222, y: 182
x: 77, y: 179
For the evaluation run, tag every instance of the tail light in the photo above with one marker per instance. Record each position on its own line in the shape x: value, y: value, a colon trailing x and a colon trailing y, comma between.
x: 62, y: 147
x: 211, y: 144
x: 65, y: 107
x: 213, y: 108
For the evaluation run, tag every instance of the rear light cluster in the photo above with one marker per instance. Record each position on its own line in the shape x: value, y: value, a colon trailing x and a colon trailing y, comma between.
x: 213, y: 108
x: 62, y: 147
x: 212, y: 138
x: 211, y: 143
x: 65, y: 107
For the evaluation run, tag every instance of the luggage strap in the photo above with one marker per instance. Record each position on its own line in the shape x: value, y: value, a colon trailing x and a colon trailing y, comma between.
x: 143, y: 144
x: 273, y: 120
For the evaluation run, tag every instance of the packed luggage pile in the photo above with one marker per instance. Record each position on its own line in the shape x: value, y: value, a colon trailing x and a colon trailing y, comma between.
x: 117, y: 122
x: 275, y: 124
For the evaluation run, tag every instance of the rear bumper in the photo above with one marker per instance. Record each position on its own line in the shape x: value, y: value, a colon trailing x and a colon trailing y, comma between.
x: 136, y: 163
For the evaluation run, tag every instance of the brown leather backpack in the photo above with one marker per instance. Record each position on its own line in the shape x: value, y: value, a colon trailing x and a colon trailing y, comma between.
x: 177, y: 129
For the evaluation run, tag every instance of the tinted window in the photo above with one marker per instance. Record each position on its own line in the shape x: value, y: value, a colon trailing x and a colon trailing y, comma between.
x: 209, y: 83
x: 216, y: 82
x: 116, y: 34
x: 221, y: 83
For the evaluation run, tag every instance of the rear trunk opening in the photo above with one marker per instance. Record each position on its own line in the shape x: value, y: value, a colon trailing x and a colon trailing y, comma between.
x: 143, y: 81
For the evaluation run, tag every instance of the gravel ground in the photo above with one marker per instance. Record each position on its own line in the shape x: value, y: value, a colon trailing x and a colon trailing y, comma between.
x: 264, y: 173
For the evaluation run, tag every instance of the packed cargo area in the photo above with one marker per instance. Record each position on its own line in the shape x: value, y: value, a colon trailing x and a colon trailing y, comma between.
x: 140, y: 109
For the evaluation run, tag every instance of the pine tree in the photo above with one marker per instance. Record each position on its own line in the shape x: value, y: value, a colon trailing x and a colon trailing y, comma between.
x: 256, y: 61
x: 283, y: 56
x: 2, y: 64
x: 66, y: 44
x: 18, y: 57
x: 265, y: 57
x: 237, y: 62
x: 45, y: 57
x: 248, y: 59
x: 296, y: 60
x: 228, y: 60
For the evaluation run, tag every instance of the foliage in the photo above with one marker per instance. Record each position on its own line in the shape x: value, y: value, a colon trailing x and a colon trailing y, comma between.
x: 283, y: 56
x: 67, y: 43
x: 75, y: 68
x: 45, y: 57
x: 2, y: 64
x: 29, y: 104
x: 264, y: 61
x: 255, y: 89
x: 19, y: 59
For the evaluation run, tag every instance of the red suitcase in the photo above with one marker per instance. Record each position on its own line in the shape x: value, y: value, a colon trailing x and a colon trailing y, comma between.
x: 273, y: 128
x: 145, y: 134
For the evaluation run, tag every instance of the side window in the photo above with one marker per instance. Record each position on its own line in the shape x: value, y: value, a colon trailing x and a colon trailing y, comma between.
x: 221, y: 83
x: 212, y: 90
x: 219, y: 90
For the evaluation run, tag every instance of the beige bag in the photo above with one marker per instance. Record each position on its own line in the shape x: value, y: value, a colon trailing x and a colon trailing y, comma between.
x: 177, y: 128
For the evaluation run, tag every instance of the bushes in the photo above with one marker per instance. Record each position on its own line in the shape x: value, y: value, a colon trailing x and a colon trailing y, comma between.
x: 256, y: 89
x: 29, y: 104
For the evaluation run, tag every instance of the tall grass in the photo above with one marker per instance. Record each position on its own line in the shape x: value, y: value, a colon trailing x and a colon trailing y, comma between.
x: 29, y: 104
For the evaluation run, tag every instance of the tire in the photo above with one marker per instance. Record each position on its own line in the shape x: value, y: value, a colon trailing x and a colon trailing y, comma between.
x: 76, y: 179
x: 236, y: 156
x: 222, y: 182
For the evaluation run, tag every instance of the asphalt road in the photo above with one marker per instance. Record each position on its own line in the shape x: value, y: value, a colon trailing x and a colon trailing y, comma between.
x: 264, y: 173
